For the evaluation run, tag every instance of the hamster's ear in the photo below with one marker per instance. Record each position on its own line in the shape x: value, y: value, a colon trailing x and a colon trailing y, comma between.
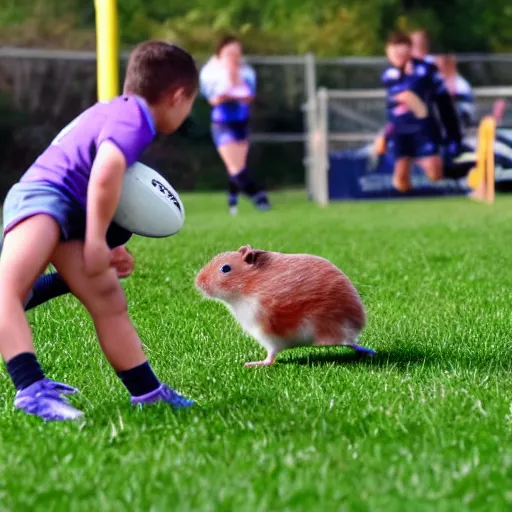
x: 255, y: 257
x: 244, y: 249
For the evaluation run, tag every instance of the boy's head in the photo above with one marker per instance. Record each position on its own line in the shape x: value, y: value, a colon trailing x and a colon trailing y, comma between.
x: 398, y: 49
x: 229, y: 51
x: 420, y: 43
x: 166, y: 76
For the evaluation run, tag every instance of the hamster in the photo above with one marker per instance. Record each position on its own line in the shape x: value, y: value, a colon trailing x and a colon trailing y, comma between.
x: 285, y: 300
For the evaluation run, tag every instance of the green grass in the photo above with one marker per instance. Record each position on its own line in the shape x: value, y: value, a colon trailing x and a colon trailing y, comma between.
x: 425, y: 425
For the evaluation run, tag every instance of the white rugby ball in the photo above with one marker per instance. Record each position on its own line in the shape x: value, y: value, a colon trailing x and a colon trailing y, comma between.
x: 149, y: 205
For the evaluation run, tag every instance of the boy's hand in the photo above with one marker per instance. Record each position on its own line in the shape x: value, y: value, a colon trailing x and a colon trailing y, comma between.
x: 221, y: 98
x: 246, y: 99
x: 122, y: 261
x: 97, y: 257
x: 413, y: 103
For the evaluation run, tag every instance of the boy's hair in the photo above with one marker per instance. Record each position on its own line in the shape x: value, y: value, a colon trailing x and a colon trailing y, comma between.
x: 156, y: 68
x: 399, y: 37
x: 225, y: 41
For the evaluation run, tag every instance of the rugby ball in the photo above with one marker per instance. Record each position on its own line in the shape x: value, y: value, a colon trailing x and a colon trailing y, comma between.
x: 149, y: 205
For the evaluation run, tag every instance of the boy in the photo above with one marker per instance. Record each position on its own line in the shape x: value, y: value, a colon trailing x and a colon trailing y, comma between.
x: 60, y: 213
x: 415, y: 94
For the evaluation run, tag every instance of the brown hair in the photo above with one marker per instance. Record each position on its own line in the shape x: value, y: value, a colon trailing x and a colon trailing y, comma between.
x: 399, y: 38
x: 156, y: 68
x: 224, y: 41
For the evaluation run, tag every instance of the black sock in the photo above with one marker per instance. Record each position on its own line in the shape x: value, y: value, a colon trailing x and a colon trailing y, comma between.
x: 245, y: 182
x: 24, y: 370
x: 232, y: 193
x: 139, y: 380
x: 456, y: 172
x: 47, y: 287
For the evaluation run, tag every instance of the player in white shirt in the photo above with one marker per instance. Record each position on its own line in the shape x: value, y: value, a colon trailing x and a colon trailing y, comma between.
x: 229, y: 86
x: 459, y: 89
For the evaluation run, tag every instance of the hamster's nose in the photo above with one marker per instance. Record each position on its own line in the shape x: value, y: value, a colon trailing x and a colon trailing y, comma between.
x: 200, y: 281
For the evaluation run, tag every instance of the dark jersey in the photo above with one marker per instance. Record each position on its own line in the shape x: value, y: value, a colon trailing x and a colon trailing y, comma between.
x: 425, y: 81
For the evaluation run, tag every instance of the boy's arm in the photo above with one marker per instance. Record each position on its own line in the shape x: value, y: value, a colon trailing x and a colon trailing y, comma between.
x: 447, y: 112
x: 207, y: 87
x: 250, y: 79
x: 103, y: 195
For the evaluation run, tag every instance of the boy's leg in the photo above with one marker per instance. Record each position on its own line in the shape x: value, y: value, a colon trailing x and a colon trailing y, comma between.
x: 19, y: 267
x: 400, y: 145
x: 232, y: 196
x: 51, y: 286
x: 432, y: 166
x: 47, y: 287
x: 402, y: 175
x: 233, y: 146
x: 104, y: 298
x: 428, y: 154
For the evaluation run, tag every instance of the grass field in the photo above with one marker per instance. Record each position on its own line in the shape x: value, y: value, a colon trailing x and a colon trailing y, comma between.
x: 424, y: 425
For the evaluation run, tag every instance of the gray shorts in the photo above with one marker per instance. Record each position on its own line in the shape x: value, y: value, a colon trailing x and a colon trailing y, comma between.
x: 27, y: 199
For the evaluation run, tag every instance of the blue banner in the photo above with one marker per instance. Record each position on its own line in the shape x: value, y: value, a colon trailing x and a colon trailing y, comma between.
x: 352, y: 175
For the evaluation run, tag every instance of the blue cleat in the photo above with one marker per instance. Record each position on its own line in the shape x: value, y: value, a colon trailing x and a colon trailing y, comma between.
x: 163, y: 394
x: 363, y: 350
x: 44, y: 399
x: 263, y: 207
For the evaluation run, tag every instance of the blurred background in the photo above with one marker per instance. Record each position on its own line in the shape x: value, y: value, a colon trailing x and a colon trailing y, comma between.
x: 48, y: 68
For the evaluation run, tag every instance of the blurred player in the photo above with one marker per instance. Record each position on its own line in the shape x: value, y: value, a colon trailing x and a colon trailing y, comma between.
x: 414, y: 90
x: 420, y: 42
x: 229, y: 85
x: 60, y: 212
x: 459, y: 89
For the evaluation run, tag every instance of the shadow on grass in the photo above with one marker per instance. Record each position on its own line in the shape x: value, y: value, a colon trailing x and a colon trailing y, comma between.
x: 399, y: 359
x: 343, y: 358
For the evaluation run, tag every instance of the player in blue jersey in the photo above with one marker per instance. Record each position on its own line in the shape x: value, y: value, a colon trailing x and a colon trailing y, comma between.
x: 421, y: 116
x: 229, y: 85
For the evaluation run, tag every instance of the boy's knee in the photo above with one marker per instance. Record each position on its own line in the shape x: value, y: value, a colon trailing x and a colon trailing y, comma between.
x: 106, y: 297
x: 435, y: 174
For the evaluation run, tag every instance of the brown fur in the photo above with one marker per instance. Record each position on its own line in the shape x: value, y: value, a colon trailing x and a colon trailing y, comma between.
x: 292, y: 289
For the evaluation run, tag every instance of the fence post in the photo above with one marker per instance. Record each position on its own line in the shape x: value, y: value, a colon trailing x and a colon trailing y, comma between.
x: 322, y: 152
x: 310, y: 120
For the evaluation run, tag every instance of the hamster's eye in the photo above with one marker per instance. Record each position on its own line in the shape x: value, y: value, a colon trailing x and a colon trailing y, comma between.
x: 225, y: 269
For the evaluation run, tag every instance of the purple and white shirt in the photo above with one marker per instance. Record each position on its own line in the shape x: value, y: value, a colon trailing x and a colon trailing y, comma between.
x: 67, y: 163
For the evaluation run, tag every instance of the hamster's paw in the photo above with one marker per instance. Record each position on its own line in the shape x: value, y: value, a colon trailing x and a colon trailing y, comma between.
x: 268, y: 361
x: 257, y: 363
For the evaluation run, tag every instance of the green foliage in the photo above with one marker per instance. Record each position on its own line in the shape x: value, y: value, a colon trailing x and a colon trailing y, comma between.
x: 326, y: 27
